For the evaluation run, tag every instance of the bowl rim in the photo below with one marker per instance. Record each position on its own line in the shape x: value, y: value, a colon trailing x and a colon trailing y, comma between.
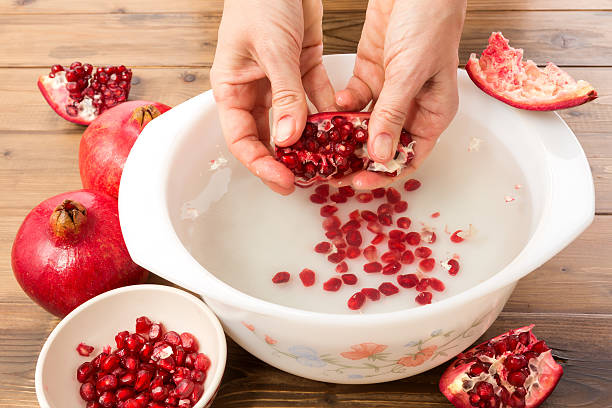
x: 209, y: 392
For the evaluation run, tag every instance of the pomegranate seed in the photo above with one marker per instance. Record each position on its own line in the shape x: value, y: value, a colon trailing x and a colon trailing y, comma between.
x: 346, y: 191
x: 107, y: 400
x: 393, y: 196
x: 374, y: 227
x: 400, y: 206
x: 88, y: 391
x: 189, y: 342
x: 379, y: 192
x: 143, y: 324
x: 84, y: 350
x: 388, y: 289
x: 422, y: 252
x: 391, y: 268
x: 107, y: 349
x: 515, y: 362
x: 155, y: 332
x: 353, y: 252
x: 124, y: 393
x: 413, y: 238
x: 423, y: 285
x: 407, y: 281
x: 350, y: 225
x: 539, y: 347
x: 337, y: 256
x: 317, y: 199
x: 349, y: 279
x: 396, y: 235
x: 127, y: 379
x: 517, y: 378
x: 353, y: 237
x: 404, y: 222
x: 322, y: 190
x: 159, y: 393
x: 167, y: 364
x: 354, y: 215
x: 484, y: 389
x: 323, y: 247
x: 281, y: 277
x: 130, y: 363
x: 96, y: 361
x: 365, y: 197
x: 328, y: 210
x: 377, y: 239
x: 342, y: 267
x: 436, y: 284
x: 372, y: 267
x: 337, y: 198
x: 370, y: 253
x: 435, y: 215
x: 184, y: 388
x: 195, y: 396
x: 202, y: 362
x: 389, y: 256
x: 134, y: 342
x: 331, y: 234
x: 369, y: 216
x: 371, y: 293
x: 106, y: 383
x: 121, y: 338
x: 423, y: 298
x: 429, y: 237
x: 407, y: 257
x: 385, y: 219
x: 198, y: 376
x: 110, y: 363
x: 427, y: 265
x: 356, y: 301
x: 84, y: 371
x: 455, y: 237
x: 396, y: 245
x: 339, y: 243
x: 412, y: 185
x: 331, y: 223
x: 384, y: 209
x: 332, y: 285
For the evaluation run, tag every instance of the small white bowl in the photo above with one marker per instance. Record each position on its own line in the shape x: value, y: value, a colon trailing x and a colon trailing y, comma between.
x: 97, y: 321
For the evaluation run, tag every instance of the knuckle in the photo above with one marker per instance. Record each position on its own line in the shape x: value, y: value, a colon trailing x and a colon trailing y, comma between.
x: 282, y: 98
x: 391, y: 114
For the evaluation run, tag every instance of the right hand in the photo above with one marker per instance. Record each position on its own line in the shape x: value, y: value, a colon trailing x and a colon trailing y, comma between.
x: 269, y: 55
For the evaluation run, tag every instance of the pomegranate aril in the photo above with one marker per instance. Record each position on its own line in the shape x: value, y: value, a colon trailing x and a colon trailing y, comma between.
x: 339, y: 242
x: 337, y: 198
x: 323, y: 247
x: 369, y: 216
x: 436, y: 284
x: 346, y: 191
x: 110, y: 363
x: 184, y: 388
x: 427, y: 265
x: 396, y: 245
x: 422, y: 285
x: 155, y: 332
x: 370, y: 253
x: 84, y: 371
x: 453, y: 267
x: 107, y: 399
x: 412, y: 185
x: 384, y: 209
x: 354, y: 238
x: 350, y: 225
x: 88, y: 391
x: 202, y: 362
x: 124, y: 393
x: 390, y: 256
x: 407, y: 281
x: 121, y: 338
x: 388, y: 289
x: 337, y: 256
x: 396, y: 235
x: 423, y: 298
x: 106, y: 383
x: 422, y: 252
x: 134, y: 342
x: 349, y: 279
x: 331, y: 234
x: 328, y: 210
x: 379, y: 192
x: 143, y: 324
x: 84, y: 350
x: 353, y: 252
x: 331, y: 223
x: 377, y: 239
x: 517, y: 378
x: 96, y: 404
x: 404, y: 222
x: 385, y: 219
x: 455, y: 237
x: 322, y: 190
x: 372, y: 267
x: 356, y: 301
x: 342, y: 267
x: 130, y: 363
x: 515, y: 362
x: 393, y: 196
x: 539, y: 347
x: 332, y: 285
x: 143, y: 379
x: 391, y: 268
x: 407, y: 257
x: 354, y: 215
x: 307, y: 276
x: 400, y: 206
x: 127, y: 379
x: 371, y: 293
x: 374, y: 227
x: 198, y: 376
x: 281, y: 277
x: 413, y: 238
x: 364, y: 197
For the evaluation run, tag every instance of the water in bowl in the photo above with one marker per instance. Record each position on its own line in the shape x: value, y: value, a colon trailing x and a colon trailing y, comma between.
x: 243, y: 233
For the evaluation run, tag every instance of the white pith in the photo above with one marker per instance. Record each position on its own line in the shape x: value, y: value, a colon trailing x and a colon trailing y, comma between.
x: 86, y: 109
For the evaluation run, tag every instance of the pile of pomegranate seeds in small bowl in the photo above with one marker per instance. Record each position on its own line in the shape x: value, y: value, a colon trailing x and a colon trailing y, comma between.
x: 173, y: 356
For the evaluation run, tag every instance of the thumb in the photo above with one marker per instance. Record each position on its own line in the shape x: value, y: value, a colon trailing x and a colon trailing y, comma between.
x: 289, y: 108
x: 389, y: 115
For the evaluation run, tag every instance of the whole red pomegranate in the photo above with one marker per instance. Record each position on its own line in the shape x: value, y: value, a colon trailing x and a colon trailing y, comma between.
x: 107, y: 142
x: 69, y: 249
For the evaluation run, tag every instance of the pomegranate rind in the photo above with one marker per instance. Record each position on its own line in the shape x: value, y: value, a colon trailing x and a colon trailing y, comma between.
x: 502, y: 73
x: 451, y: 381
x: 58, y: 98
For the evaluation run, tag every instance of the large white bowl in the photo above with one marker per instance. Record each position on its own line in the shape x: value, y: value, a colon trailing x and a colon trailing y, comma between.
x: 169, y: 157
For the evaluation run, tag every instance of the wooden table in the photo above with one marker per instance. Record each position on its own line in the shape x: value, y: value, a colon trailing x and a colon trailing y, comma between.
x: 170, y: 45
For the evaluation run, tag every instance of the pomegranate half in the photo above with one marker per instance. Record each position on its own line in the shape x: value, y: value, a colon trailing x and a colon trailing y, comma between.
x: 514, y: 370
x: 107, y: 142
x: 333, y: 145
x: 69, y: 249
x: 502, y: 73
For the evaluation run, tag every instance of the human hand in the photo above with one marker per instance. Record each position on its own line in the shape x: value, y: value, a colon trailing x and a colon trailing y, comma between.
x: 407, y: 64
x: 269, y: 54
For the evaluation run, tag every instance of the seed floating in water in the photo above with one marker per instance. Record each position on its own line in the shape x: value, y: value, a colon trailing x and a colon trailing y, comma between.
x: 388, y: 289
x: 323, y: 247
x: 356, y: 301
x: 456, y: 238
x: 413, y: 238
x: 281, y: 277
x: 322, y: 190
x: 422, y: 252
x: 371, y: 293
x: 379, y: 192
x: 393, y: 196
x: 404, y: 222
x: 423, y: 298
x: 365, y: 197
x: 407, y: 257
x: 412, y: 185
x: 328, y: 210
x: 400, y: 206
x: 307, y: 276
x: 332, y: 285
x: 372, y: 267
x: 342, y: 267
x: 317, y: 199
x: 453, y: 267
x: 427, y: 265
x: 407, y: 281
x: 349, y: 279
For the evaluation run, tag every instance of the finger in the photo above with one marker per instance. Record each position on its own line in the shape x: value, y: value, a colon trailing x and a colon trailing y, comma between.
x: 319, y: 89
x: 355, y: 96
x: 369, y: 180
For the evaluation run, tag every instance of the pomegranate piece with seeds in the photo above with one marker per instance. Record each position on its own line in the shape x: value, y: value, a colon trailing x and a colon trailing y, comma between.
x: 502, y: 73
x: 79, y: 93
x: 512, y: 370
x: 333, y: 145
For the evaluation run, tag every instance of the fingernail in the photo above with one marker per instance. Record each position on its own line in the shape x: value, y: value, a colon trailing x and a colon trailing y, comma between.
x: 383, y: 146
x: 285, y: 128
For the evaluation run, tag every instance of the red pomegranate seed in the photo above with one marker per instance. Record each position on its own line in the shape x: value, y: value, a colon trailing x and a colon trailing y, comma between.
x: 107, y: 400
x: 350, y: 225
x: 202, y: 362
x: 332, y: 285
x: 396, y: 235
x: 422, y: 252
x: 393, y: 196
x: 317, y: 199
x: 353, y: 237
x: 198, y: 376
x: 412, y: 185
x: 372, y: 267
x: 106, y: 383
x: 281, y: 277
x: 338, y: 198
x: 337, y: 256
x: 156, y: 331
x: 323, y: 247
x: 436, y: 284
x: 364, y: 197
x: 143, y: 324
x: 349, y: 279
x: 407, y: 257
x: 88, y: 391
x: 400, y: 206
x: 377, y: 239
x: 455, y: 237
x: 379, y: 192
x: 307, y: 276
x: 322, y: 190
x: 392, y: 268
x: 385, y: 219
x: 110, y: 363
x: 427, y: 265
x: 346, y: 191
x: 127, y: 379
x: 124, y: 393
x: 356, y: 301
x: 390, y: 256
x: 371, y: 293
x: 423, y: 298
x: 331, y: 223
x: 404, y: 222
x: 407, y: 281
x: 370, y: 253
x: 353, y: 252
x: 374, y: 227
x: 384, y: 209
x: 339, y: 242
x: 369, y: 216
x: 388, y: 289
x: 453, y: 267
x: 396, y: 245
x: 328, y: 210
x: 120, y: 339
x: 84, y: 350
x: 435, y: 215
x: 423, y: 285
x: 429, y: 237
x: 331, y: 234
x: 354, y: 215
x: 342, y: 267
x: 413, y: 238
x: 84, y: 371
